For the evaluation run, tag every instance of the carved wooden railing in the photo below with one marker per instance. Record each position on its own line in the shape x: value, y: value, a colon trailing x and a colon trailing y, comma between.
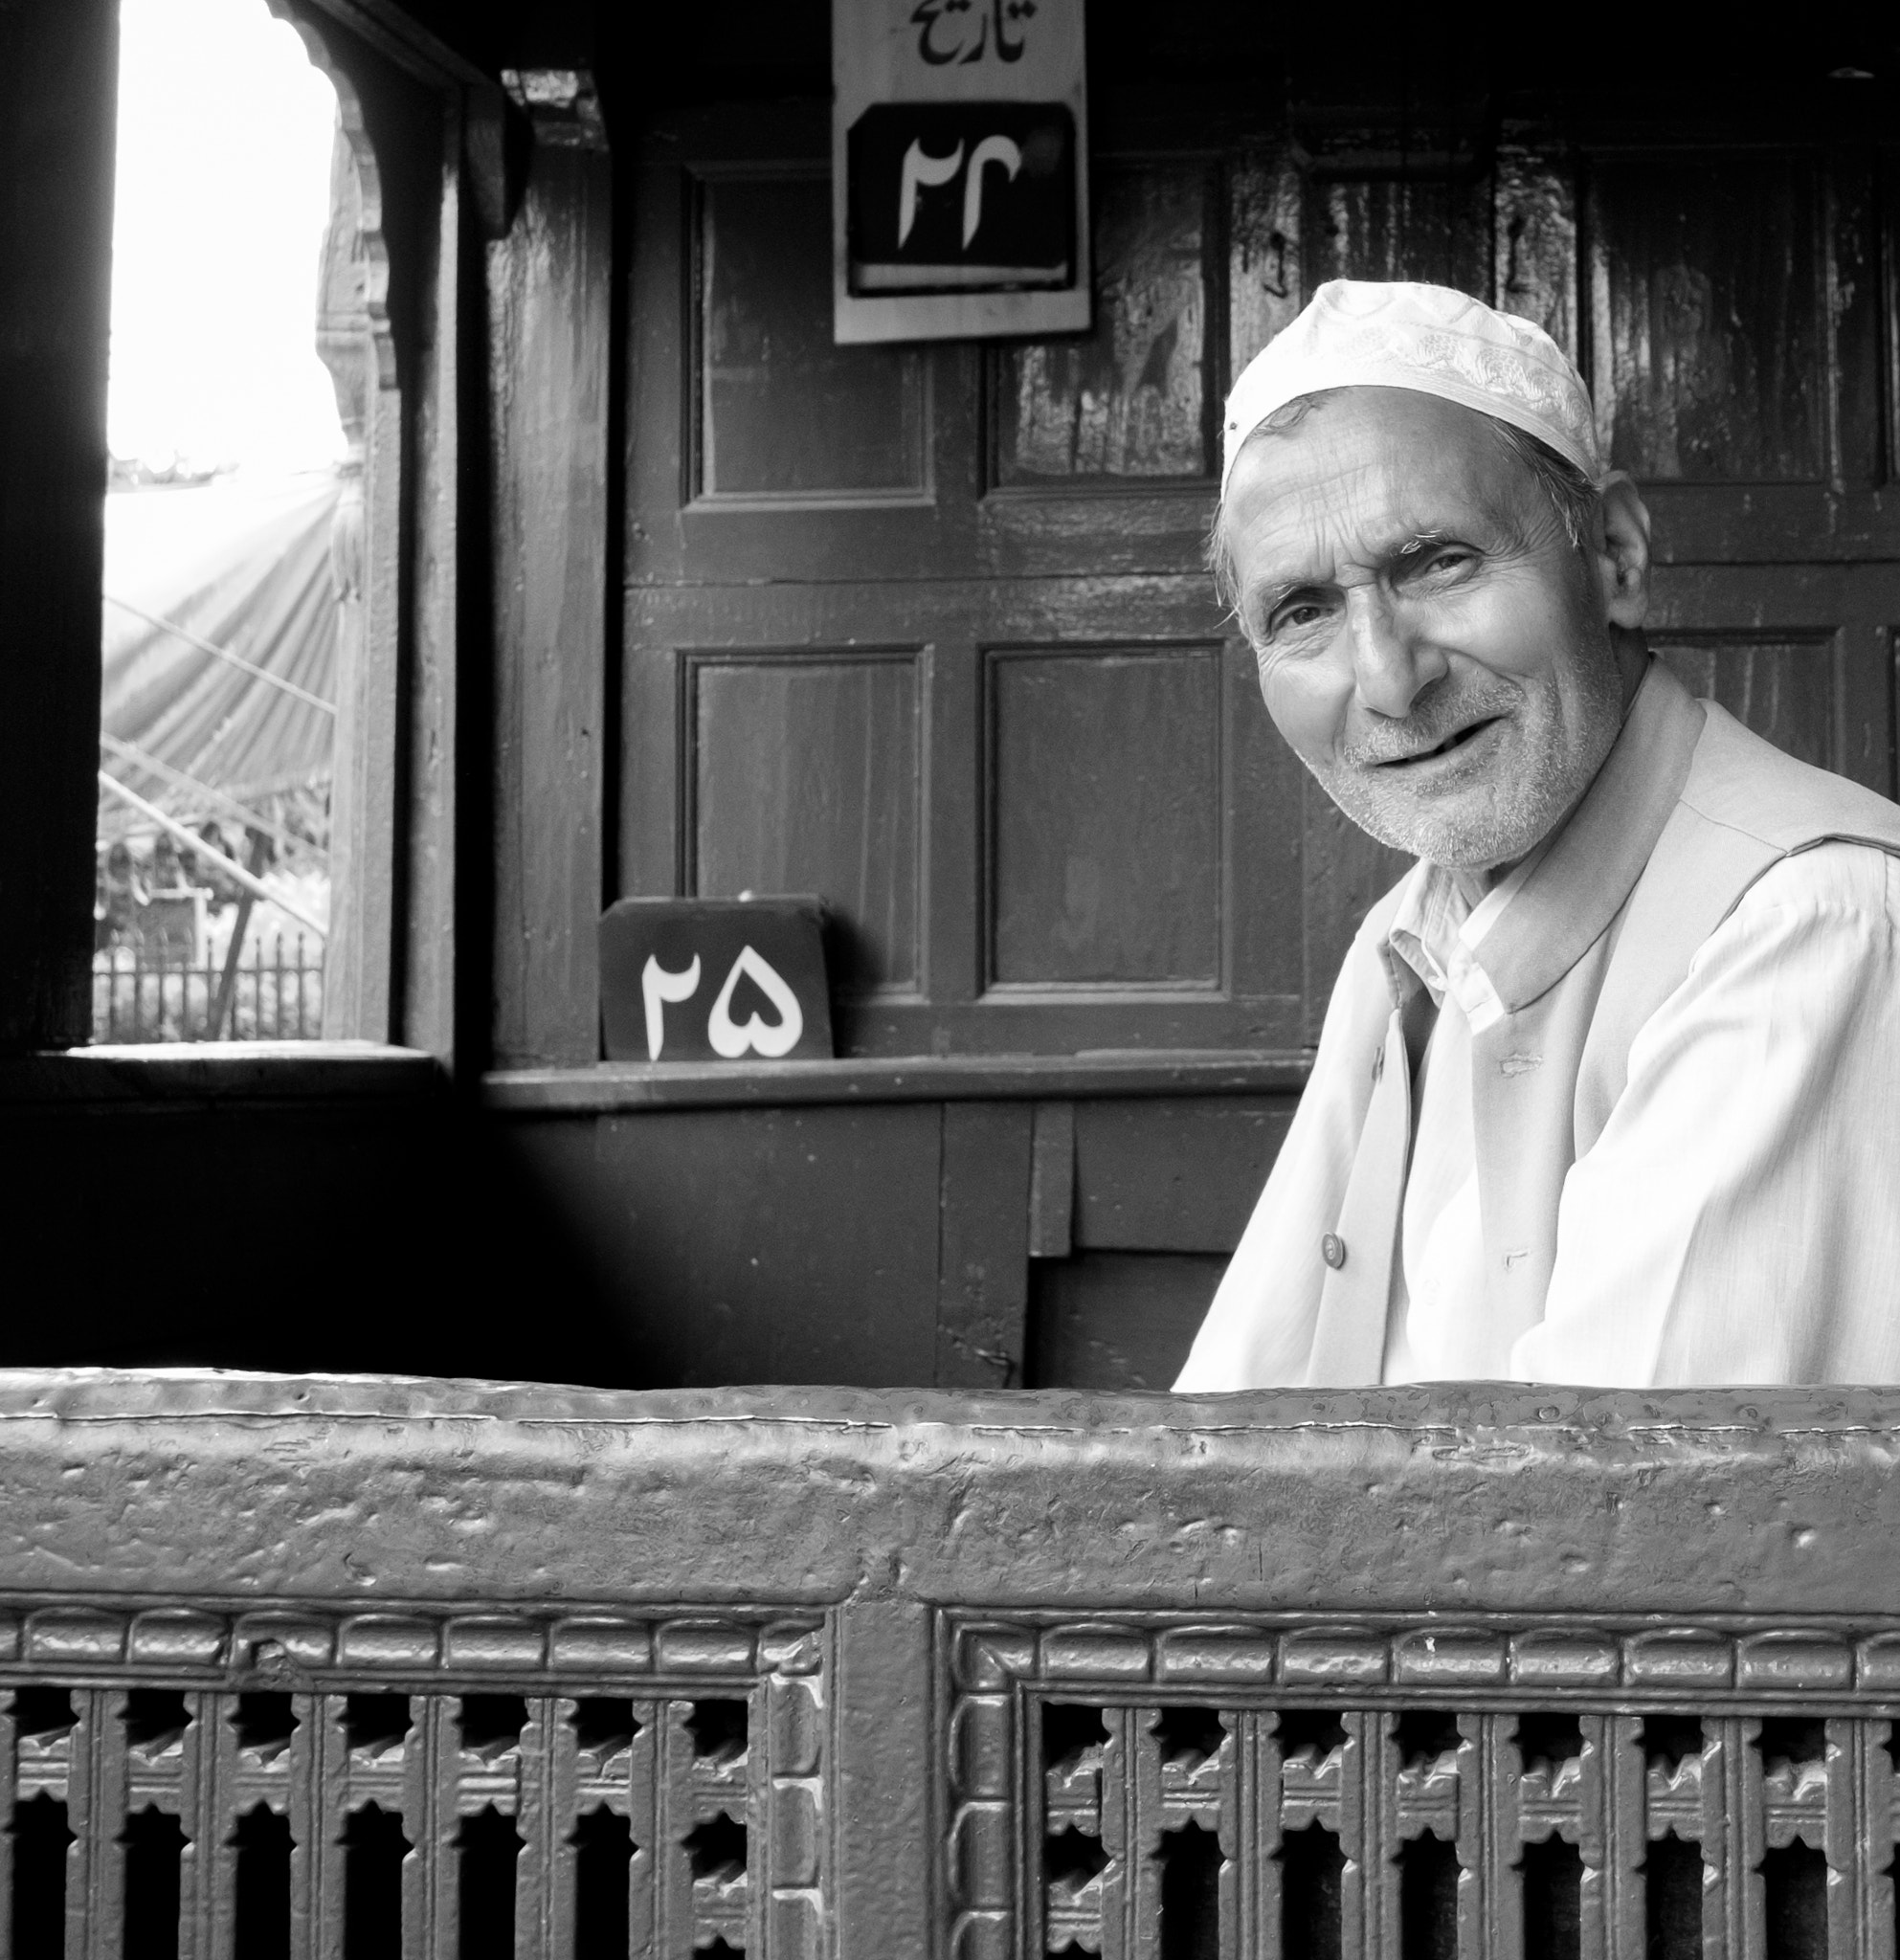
x: 355, y: 1668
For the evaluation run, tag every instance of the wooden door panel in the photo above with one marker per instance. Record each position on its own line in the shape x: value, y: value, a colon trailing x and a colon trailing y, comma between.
x: 780, y: 415
x: 1104, y: 817
x: 1794, y: 651
x: 1132, y: 398
x: 804, y: 775
x: 1735, y: 349
x: 758, y: 450
x: 1376, y: 225
x: 1784, y: 686
x: 1708, y: 311
x: 1101, y: 448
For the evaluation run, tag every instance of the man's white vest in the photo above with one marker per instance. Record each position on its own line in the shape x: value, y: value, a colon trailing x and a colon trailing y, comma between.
x: 1689, y: 810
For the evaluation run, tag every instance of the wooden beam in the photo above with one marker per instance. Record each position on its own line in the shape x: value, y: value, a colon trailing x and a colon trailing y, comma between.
x: 395, y: 33
x: 550, y: 297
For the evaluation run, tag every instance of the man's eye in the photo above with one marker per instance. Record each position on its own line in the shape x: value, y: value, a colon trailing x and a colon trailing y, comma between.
x: 1449, y: 560
x: 1298, y: 614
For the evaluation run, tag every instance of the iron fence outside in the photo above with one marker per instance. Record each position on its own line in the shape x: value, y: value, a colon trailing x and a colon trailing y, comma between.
x: 275, y: 995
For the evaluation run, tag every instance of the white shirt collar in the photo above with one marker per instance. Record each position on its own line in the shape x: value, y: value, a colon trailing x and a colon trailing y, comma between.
x: 1437, y: 932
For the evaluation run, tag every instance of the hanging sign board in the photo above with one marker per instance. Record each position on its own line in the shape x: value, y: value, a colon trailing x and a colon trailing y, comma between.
x: 959, y: 169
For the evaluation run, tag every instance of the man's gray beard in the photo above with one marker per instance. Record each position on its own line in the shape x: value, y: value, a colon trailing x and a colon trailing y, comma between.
x: 1550, y: 774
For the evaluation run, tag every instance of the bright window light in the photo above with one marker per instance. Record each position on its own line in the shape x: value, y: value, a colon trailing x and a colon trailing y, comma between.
x: 225, y: 134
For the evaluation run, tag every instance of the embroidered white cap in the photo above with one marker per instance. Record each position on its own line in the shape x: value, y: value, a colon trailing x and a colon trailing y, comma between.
x: 1379, y: 333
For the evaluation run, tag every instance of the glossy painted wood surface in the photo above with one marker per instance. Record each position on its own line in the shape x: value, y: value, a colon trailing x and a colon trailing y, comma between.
x: 1131, y: 398
x: 1710, y: 313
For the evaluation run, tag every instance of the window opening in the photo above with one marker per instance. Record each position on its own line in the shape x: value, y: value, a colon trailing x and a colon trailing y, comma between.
x: 240, y: 351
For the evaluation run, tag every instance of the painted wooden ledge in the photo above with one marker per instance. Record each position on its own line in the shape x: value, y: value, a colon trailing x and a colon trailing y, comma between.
x: 219, y: 1071
x: 611, y: 1086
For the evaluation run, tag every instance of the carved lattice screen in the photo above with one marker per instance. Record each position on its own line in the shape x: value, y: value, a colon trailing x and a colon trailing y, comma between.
x: 401, y: 1785
x: 1211, y: 1792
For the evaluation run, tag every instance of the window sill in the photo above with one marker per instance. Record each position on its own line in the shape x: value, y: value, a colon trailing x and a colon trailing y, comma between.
x: 625, y: 1085
x: 219, y: 1071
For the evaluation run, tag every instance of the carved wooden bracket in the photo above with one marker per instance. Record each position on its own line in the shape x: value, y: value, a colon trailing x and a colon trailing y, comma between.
x: 353, y: 302
x: 561, y: 103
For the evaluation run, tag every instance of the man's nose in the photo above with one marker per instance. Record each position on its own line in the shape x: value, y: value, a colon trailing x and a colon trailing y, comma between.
x: 1392, y: 663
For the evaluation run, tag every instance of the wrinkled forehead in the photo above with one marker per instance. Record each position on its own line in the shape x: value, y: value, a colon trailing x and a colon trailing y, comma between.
x: 1365, y: 470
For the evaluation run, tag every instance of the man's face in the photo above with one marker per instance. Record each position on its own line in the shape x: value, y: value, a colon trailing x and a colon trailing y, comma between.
x: 1432, y: 644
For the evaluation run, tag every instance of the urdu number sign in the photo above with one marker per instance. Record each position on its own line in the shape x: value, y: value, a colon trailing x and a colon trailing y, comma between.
x: 714, y: 980
x: 959, y: 159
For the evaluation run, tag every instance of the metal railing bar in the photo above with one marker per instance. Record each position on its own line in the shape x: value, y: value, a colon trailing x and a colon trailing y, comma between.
x: 242, y: 812
x: 190, y: 638
x: 113, y: 786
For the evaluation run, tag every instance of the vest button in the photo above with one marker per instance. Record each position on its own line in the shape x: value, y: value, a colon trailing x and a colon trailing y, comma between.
x: 1332, y: 1250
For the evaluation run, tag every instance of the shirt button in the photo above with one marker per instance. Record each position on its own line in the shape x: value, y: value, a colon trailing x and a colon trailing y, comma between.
x: 1332, y: 1250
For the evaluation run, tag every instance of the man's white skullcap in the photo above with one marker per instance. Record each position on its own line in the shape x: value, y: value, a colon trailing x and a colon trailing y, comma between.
x: 1377, y: 333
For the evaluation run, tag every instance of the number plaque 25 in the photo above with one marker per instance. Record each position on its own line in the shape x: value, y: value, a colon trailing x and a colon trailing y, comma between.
x: 714, y: 980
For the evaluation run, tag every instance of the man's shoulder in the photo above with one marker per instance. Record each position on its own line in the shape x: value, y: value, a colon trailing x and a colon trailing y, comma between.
x: 1853, y: 885
x: 1745, y: 786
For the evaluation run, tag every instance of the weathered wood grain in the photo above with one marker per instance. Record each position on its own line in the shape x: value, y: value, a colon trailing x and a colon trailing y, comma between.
x: 549, y: 286
x: 1131, y: 398
x: 1710, y: 326
x: 984, y: 1245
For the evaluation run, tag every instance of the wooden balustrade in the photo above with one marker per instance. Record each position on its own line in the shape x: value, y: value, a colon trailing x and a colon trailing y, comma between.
x: 359, y: 1667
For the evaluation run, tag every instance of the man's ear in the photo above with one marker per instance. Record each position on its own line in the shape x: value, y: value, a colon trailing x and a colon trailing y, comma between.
x: 1623, y: 552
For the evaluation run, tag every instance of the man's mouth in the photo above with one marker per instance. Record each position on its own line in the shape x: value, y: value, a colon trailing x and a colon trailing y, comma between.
x: 1449, y: 746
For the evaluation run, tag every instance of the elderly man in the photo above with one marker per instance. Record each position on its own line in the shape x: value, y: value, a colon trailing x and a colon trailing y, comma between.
x: 1609, y: 1088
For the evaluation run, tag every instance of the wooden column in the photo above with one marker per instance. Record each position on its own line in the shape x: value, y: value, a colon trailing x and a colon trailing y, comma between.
x: 550, y: 293
x: 59, y: 69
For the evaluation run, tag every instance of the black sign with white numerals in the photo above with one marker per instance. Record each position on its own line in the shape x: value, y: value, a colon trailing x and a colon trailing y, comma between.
x: 962, y: 197
x: 714, y: 980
